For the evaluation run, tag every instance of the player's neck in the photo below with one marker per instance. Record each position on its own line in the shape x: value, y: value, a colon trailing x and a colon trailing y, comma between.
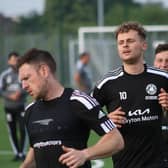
x: 55, y: 90
x: 134, y: 69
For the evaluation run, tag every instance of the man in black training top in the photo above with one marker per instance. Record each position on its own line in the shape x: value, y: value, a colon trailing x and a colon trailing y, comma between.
x: 60, y: 119
x: 135, y: 94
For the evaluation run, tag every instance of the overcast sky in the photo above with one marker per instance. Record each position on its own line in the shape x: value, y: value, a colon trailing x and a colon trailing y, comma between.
x: 24, y: 7
x: 164, y: 1
x: 20, y: 7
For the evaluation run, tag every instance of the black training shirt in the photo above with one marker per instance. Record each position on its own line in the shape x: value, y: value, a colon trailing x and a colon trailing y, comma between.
x: 66, y: 120
x: 138, y: 97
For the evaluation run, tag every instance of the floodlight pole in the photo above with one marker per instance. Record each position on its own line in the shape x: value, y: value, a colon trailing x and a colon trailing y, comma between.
x: 100, y: 12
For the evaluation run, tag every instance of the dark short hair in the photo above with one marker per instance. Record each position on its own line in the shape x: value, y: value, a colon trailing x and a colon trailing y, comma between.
x: 36, y: 56
x: 161, y: 48
x: 84, y: 54
x: 127, y: 26
x: 13, y: 53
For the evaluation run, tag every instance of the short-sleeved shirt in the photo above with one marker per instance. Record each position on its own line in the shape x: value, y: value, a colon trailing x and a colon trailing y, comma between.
x: 138, y: 97
x: 9, y: 83
x: 66, y: 120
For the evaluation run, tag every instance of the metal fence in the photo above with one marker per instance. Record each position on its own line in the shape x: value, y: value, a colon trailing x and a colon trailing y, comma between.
x: 50, y: 42
x: 101, y: 45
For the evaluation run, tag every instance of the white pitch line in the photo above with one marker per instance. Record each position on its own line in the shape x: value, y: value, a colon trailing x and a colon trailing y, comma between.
x: 97, y: 163
x: 5, y: 152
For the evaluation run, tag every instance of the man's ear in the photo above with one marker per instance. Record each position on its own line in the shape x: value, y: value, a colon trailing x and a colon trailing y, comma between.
x: 44, y: 70
x: 144, y: 46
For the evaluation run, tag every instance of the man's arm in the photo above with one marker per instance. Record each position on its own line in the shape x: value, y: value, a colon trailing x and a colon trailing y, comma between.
x: 29, y: 162
x: 163, y: 99
x: 108, y: 145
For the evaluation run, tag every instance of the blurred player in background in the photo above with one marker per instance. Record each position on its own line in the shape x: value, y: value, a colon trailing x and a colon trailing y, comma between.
x: 134, y: 95
x: 14, y: 104
x: 161, y: 62
x: 82, y: 76
x: 161, y: 57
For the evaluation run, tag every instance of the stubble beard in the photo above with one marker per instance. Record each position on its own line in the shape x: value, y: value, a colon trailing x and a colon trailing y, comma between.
x: 132, y: 61
x: 41, y: 95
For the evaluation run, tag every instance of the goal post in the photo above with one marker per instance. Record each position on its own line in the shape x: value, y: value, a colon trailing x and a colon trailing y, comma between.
x: 111, y: 29
x: 101, y: 43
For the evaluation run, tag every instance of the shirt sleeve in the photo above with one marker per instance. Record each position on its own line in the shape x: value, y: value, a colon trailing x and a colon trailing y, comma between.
x: 3, y: 91
x: 102, y: 89
x: 28, y: 111
x: 99, y: 95
x: 90, y: 112
x: 106, y: 94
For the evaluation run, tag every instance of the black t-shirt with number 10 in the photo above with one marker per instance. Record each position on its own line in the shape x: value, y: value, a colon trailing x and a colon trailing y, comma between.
x: 138, y: 97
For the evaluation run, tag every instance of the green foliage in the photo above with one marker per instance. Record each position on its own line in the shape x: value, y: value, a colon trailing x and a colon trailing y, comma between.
x: 32, y: 23
x: 73, y: 14
x: 148, y: 14
x: 64, y: 16
x: 153, y: 14
x: 115, y: 15
x: 5, y: 159
x: 69, y: 14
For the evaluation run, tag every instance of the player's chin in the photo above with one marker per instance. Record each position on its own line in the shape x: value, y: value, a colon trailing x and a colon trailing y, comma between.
x: 130, y: 61
x: 34, y: 96
x: 38, y: 97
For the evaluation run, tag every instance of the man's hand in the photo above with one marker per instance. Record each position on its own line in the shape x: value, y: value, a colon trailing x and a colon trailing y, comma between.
x: 72, y: 158
x: 163, y: 99
x: 118, y: 117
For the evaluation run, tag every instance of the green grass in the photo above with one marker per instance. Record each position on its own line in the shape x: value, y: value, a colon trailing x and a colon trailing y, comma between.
x: 5, y: 162
x: 94, y: 138
x: 6, y: 159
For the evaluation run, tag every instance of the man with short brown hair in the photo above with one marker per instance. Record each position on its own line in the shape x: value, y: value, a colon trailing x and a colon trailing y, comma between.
x: 60, y: 119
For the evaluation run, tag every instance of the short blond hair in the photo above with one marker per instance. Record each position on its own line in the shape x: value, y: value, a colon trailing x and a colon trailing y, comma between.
x: 127, y: 26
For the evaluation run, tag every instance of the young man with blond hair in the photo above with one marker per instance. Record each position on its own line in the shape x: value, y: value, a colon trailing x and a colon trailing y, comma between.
x: 134, y: 95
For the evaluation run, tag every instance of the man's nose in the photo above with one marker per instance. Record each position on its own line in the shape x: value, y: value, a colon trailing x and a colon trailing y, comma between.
x: 24, y: 85
x: 125, y: 44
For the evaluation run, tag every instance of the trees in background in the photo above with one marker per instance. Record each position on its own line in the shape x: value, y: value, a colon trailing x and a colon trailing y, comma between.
x: 69, y: 15
x: 31, y: 23
x: 53, y: 30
